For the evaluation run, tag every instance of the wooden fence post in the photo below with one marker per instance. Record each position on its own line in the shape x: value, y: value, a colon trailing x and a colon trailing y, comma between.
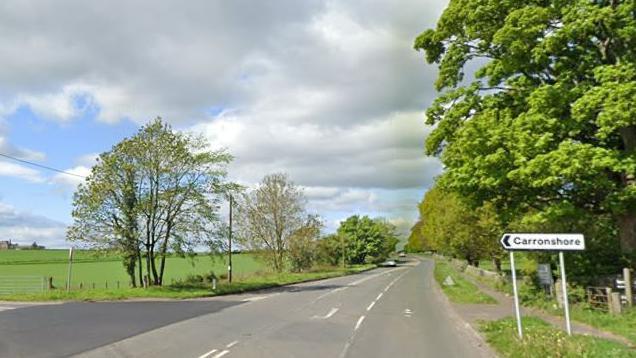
x: 50, y: 282
x: 627, y: 277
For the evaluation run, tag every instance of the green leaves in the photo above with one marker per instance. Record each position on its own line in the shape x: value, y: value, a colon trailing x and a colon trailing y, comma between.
x: 551, y: 116
x: 367, y: 240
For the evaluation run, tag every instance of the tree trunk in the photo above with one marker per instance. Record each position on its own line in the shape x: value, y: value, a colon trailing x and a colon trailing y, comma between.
x: 164, y: 249
x: 141, y: 266
x: 627, y: 221
x: 497, y: 263
x: 627, y: 232
x: 153, y: 266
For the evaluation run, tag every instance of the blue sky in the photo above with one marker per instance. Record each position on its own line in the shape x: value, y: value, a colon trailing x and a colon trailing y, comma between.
x: 328, y: 92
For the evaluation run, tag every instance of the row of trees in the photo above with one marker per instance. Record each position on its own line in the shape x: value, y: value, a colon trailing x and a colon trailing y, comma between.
x: 545, y: 132
x: 274, y: 223
x: 158, y: 193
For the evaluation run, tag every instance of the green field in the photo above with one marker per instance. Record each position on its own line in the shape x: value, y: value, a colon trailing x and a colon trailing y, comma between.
x: 90, y: 268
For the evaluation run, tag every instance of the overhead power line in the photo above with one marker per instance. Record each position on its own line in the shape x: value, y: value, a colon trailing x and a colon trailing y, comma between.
x: 41, y: 166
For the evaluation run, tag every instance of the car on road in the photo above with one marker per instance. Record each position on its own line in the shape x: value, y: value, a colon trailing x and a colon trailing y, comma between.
x: 402, y: 254
x: 389, y: 263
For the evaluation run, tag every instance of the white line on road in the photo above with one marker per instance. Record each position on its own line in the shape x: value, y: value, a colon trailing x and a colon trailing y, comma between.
x: 328, y: 315
x: 358, y: 323
x: 370, y: 306
x: 221, y: 354
x: 331, y: 313
x: 230, y: 345
x: 379, y: 296
x: 208, y: 353
x: 258, y: 298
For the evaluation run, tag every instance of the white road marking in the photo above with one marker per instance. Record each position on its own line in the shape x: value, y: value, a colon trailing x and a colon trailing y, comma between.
x: 221, y: 354
x: 370, y: 306
x: 379, y: 296
x: 258, y: 298
x: 230, y: 345
x: 355, y: 283
x: 331, y: 313
x: 358, y: 323
x: 208, y: 353
x: 328, y: 315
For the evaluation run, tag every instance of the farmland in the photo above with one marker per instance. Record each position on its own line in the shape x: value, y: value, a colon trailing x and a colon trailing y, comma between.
x: 90, y: 267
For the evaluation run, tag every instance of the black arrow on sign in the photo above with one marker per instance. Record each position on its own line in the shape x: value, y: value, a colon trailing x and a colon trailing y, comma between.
x: 505, y: 242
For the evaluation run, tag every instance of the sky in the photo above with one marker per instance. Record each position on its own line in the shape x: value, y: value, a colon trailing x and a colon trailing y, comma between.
x: 329, y: 92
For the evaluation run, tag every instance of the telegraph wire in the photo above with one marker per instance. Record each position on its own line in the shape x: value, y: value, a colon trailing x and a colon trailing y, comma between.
x: 40, y: 165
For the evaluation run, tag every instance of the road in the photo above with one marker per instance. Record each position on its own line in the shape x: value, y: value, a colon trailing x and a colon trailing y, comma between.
x: 386, y: 312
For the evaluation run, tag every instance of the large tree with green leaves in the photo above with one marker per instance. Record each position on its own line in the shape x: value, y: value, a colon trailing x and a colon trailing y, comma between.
x: 366, y: 239
x: 548, y: 123
x: 154, y: 193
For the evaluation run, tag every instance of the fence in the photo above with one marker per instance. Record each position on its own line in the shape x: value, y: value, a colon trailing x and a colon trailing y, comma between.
x: 22, y: 284
x: 598, y: 298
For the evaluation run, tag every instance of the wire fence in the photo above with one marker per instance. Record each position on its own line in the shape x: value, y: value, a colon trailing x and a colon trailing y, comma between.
x: 22, y: 284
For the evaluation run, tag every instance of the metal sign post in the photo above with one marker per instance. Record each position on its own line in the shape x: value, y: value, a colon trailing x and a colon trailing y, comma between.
x: 564, y: 286
x: 542, y: 242
x: 516, y: 294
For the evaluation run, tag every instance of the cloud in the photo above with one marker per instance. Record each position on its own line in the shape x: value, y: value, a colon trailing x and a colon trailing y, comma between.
x: 18, y: 171
x: 25, y: 228
x: 330, y: 92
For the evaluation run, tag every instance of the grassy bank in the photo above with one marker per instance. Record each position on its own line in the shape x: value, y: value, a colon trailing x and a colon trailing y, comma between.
x: 462, y: 291
x: 623, y: 325
x: 543, y: 340
x: 183, y: 290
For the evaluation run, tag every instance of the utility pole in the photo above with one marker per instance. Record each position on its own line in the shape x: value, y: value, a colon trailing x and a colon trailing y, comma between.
x: 229, y: 253
x: 344, y: 254
x: 70, y: 265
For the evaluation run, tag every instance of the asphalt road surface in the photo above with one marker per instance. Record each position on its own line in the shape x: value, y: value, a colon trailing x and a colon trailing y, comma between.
x: 388, y: 312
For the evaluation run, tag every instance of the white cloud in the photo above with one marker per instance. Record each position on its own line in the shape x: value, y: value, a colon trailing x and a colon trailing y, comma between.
x: 9, y: 169
x: 25, y: 228
x: 330, y: 92
x: 70, y: 182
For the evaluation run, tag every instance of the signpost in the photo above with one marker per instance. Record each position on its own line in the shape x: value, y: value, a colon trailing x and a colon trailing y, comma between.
x: 542, y: 242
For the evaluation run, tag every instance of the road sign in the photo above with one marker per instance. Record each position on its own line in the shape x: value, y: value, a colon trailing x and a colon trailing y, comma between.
x: 543, y: 242
x: 544, y: 271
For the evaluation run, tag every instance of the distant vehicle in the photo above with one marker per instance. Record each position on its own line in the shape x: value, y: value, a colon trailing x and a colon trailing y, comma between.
x: 390, y: 263
x: 402, y: 254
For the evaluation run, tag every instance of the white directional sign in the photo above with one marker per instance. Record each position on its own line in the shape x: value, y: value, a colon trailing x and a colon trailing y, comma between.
x: 549, y: 242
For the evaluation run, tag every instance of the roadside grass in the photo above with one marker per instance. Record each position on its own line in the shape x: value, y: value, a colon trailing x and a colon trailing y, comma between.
x: 543, y: 340
x: 185, y: 290
x: 463, y: 291
x: 89, y: 269
x: 623, y: 324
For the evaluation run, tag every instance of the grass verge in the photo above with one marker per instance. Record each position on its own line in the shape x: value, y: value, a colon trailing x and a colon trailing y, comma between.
x: 543, y: 340
x: 184, y: 291
x: 462, y: 291
x: 623, y: 324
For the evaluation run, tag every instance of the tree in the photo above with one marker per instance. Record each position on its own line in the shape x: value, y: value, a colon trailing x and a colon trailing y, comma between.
x: 330, y: 250
x: 367, y: 240
x: 152, y: 193
x: 450, y: 226
x: 548, y: 123
x: 302, y: 245
x: 270, y: 216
